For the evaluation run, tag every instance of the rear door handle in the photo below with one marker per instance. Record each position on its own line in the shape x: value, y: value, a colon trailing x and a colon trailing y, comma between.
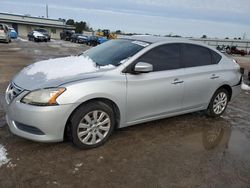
x: 214, y: 76
x: 177, y: 81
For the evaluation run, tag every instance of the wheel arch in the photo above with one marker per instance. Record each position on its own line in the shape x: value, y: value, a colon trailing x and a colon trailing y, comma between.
x: 228, y: 88
x: 107, y: 101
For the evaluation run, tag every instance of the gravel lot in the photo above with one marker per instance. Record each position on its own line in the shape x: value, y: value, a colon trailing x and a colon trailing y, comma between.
x: 185, y: 151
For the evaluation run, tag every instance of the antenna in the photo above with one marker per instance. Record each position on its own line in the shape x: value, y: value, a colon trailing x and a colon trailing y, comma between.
x: 47, y: 11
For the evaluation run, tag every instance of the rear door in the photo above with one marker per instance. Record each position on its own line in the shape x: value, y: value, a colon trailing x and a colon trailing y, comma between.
x: 157, y: 93
x: 202, y: 75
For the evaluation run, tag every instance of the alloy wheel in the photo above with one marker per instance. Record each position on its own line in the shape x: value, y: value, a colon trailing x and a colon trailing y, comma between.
x: 94, y: 127
x: 220, y: 103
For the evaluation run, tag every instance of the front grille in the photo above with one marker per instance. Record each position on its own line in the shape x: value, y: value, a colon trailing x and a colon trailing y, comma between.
x: 12, y: 92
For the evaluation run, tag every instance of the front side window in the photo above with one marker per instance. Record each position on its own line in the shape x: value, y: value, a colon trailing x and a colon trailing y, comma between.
x: 195, y: 55
x: 164, y: 57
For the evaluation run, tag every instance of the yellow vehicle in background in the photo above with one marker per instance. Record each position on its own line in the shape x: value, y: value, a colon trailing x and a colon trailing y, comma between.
x: 106, y: 33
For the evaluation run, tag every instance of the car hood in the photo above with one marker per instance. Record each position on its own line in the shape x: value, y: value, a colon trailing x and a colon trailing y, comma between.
x: 55, y: 72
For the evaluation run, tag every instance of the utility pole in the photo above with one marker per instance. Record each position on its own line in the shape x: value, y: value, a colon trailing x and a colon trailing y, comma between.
x: 47, y: 11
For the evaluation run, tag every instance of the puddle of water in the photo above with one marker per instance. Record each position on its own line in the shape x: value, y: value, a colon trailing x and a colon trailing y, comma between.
x: 239, y: 145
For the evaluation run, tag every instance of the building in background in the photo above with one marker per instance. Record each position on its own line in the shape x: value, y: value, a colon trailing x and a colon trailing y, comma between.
x: 23, y: 24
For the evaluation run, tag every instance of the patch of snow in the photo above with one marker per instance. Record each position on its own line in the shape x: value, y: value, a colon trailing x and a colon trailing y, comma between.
x: 23, y: 40
x: 3, y: 156
x: 63, y: 67
x: 100, y: 158
x: 70, y: 45
x: 78, y: 165
x: 245, y: 87
x: 37, y: 51
x: 11, y: 165
x: 14, y: 49
x: 140, y: 43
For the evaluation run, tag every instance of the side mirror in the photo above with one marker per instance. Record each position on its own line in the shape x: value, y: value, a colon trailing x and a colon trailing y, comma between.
x: 142, y: 67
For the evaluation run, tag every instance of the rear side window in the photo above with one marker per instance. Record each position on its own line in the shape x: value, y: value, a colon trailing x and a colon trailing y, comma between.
x: 215, y: 57
x: 1, y: 27
x: 165, y: 57
x: 195, y: 55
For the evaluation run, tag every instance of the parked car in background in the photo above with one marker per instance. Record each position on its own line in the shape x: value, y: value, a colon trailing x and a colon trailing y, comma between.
x: 83, y: 39
x: 235, y: 50
x: 74, y: 37
x: 117, y: 84
x: 13, y: 33
x: 102, y: 40
x: 93, y: 41
x: 37, y: 37
x: 4, y: 33
x: 45, y: 33
x: 66, y: 34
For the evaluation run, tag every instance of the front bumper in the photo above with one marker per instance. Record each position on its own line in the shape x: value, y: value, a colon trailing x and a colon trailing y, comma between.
x: 3, y: 38
x: 50, y: 120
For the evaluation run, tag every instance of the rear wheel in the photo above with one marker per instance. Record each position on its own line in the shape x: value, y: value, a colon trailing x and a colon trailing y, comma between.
x: 92, y: 124
x: 218, y: 103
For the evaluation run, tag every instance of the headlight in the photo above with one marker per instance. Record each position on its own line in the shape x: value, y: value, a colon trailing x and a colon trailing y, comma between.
x: 43, y: 97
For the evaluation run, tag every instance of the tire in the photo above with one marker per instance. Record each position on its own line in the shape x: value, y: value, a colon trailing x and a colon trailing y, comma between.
x: 86, y: 131
x: 218, y: 103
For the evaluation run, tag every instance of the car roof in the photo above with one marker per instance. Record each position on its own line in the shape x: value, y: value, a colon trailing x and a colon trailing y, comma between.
x: 155, y: 39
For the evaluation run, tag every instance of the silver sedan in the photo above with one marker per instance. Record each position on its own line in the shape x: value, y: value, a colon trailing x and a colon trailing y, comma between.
x: 119, y: 83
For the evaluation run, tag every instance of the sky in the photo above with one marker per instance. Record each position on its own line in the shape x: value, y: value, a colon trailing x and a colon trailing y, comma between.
x: 188, y: 18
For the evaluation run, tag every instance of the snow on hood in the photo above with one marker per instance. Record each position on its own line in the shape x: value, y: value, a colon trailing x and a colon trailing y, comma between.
x: 54, y: 72
x: 3, y: 156
x: 63, y: 67
x: 37, y: 34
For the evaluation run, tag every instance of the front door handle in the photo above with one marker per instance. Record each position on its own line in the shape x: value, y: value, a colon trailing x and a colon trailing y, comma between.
x: 177, y: 81
x: 214, y: 76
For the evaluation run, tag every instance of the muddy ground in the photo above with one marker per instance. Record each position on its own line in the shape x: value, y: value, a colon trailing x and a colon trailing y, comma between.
x: 185, y: 151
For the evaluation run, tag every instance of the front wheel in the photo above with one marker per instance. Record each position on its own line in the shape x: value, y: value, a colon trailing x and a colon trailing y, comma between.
x: 218, y: 103
x: 92, y: 124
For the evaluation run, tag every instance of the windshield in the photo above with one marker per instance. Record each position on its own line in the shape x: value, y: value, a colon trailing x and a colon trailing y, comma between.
x: 114, y: 52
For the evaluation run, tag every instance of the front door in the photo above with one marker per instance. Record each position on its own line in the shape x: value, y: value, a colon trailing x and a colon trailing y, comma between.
x: 158, y: 93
